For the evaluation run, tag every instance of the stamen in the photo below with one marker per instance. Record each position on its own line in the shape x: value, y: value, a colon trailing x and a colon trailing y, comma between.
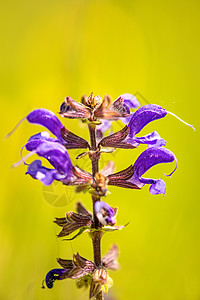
x: 13, y: 130
x: 181, y: 120
x: 23, y: 160
x: 169, y: 175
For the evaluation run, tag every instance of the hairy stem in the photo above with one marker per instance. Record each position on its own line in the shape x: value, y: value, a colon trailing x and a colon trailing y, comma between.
x: 95, y: 160
x: 97, y: 234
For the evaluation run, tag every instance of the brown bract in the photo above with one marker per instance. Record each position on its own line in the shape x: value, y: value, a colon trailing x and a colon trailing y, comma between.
x: 117, y: 140
x: 76, y: 268
x: 73, y: 141
x: 72, y: 222
x: 80, y: 177
x: 110, y: 259
x: 121, y: 178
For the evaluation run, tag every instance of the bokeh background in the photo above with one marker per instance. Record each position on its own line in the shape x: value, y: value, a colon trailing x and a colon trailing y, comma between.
x: 52, y: 49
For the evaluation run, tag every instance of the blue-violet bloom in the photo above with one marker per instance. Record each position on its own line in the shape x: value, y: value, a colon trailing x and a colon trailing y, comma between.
x: 126, y: 138
x: 105, y: 213
x: 132, y: 176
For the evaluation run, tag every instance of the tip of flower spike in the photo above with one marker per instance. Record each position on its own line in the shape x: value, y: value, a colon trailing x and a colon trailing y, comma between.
x: 169, y: 175
x: 181, y: 120
x: 13, y: 130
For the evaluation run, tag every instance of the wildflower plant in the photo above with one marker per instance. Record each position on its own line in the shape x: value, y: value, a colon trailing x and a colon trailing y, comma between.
x: 98, y: 114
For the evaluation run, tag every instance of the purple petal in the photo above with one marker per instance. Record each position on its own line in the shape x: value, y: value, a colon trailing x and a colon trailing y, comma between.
x: 105, y: 125
x: 159, y: 187
x: 127, y: 119
x: 57, y: 155
x: 45, y: 175
x: 37, y: 139
x: 130, y: 100
x: 149, y: 158
x: 151, y: 139
x: 53, y: 275
x: 47, y: 119
x: 143, y: 116
x: 105, y: 213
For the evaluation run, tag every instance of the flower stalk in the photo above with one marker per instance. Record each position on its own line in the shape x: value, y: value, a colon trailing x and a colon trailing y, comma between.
x: 96, y: 237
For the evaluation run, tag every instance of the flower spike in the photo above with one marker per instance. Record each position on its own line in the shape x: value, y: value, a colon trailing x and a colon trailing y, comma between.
x: 97, y: 114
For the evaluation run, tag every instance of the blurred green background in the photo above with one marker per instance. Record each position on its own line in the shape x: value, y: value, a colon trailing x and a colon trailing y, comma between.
x: 52, y: 49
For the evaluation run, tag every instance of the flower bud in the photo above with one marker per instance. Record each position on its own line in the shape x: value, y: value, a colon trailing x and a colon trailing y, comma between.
x: 105, y: 213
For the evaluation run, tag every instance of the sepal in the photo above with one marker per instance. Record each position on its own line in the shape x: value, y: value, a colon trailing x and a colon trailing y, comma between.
x: 116, y: 140
x: 73, y: 110
x: 121, y: 178
x: 80, y: 177
x: 81, y: 266
x: 72, y: 140
x: 72, y: 222
x: 110, y: 259
x: 98, y: 280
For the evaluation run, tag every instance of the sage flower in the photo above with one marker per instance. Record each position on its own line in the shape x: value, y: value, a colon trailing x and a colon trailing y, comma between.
x: 132, y: 176
x: 105, y: 213
x: 126, y: 138
x: 49, y: 120
x: 58, y: 157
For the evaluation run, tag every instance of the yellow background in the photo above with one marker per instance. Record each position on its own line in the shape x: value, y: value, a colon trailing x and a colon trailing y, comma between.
x: 52, y: 49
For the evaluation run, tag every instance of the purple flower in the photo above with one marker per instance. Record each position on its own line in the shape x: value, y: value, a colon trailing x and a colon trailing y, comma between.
x: 63, y: 171
x: 125, y: 138
x: 45, y: 175
x: 58, y: 157
x: 132, y: 176
x: 74, y: 269
x: 53, y: 275
x: 47, y: 119
x: 130, y: 100
x: 105, y: 213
